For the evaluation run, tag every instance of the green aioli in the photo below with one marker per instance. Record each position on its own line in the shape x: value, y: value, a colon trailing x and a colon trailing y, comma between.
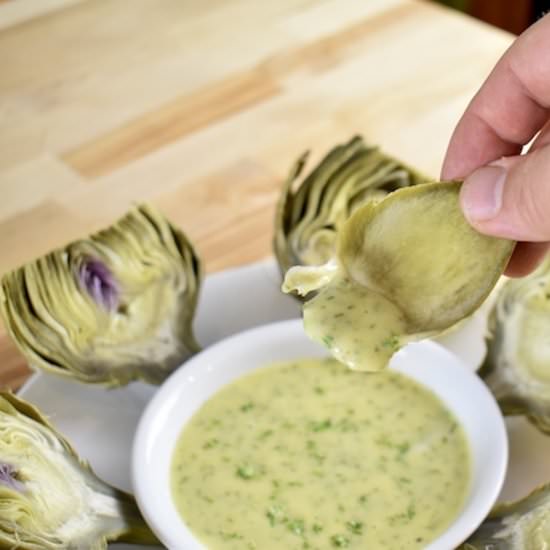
x: 360, y: 327
x: 312, y: 455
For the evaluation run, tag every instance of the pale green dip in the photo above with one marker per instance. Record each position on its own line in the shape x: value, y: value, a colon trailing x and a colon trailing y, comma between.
x: 313, y: 455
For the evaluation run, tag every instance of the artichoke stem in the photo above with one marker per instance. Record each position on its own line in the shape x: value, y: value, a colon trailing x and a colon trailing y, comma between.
x: 134, y: 529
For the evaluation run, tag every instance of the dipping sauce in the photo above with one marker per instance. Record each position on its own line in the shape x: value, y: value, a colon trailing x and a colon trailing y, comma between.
x: 312, y: 455
x: 359, y: 327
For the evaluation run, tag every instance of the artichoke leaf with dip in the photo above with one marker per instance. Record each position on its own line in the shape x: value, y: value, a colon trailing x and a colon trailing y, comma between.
x: 407, y: 267
x: 112, y: 308
x: 517, y: 364
x: 49, y: 498
x: 310, y: 214
x: 521, y: 525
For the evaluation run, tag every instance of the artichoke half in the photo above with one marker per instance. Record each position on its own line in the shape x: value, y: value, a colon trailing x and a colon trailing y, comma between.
x: 310, y: 214
x: 407, y: 267
x: 517, y: 363
x: 112, y: 308
x: 521, y: 525
x: 49, y: 498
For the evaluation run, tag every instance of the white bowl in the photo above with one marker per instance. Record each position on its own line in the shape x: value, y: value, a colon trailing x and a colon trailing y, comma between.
x: 202, y: 376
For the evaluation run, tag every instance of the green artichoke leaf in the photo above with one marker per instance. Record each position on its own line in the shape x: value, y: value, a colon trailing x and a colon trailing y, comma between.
x: 115, y: 307
x: 311, y: 212
x: 521, y: 525
x: 50, y: 499
x: 517, y: 364
x: 407, y: 267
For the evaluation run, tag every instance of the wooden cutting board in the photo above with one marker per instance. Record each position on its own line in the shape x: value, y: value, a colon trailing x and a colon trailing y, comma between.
x: 201, y: 107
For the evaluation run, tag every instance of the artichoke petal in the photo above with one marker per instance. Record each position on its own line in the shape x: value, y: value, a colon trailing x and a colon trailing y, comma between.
x: 310, y: 214
x: 521, y: 525
x: 49, y: 498
x: 410, y: 266
x: 517, y: 364
x: 306, y: 279
x: 109, y: 309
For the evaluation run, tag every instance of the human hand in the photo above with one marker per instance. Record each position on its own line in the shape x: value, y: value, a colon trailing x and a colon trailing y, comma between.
x: 504, y: 193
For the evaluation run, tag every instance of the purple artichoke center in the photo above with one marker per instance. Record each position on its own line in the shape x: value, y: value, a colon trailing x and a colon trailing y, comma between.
x: 8, y: 477
x: 100, y: 284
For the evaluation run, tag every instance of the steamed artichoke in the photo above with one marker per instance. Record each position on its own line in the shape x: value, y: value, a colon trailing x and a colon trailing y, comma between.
x: 308, y: 218
x: 49, y: 498
x: 521, y: 525
x: 407, y: 267
x: 109, y: 309
x: 517, y: 364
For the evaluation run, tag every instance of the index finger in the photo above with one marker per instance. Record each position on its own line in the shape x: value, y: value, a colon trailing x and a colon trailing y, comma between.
x: 508, y: 110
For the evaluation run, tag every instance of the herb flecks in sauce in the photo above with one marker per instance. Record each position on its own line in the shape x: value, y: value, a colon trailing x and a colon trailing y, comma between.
x: 358, y: 326
x: 302, y: 469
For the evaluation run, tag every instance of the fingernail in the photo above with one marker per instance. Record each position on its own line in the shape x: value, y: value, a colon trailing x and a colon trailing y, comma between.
x: 481, y: 193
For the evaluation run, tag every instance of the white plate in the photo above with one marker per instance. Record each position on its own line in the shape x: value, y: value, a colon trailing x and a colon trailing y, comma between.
x: 101, y: 423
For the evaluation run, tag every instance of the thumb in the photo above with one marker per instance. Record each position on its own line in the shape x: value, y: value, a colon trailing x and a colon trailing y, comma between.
x: 511, y: 197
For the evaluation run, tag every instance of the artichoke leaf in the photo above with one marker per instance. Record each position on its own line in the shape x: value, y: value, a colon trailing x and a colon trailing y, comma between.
x: 517, y: 364
x: 521, y: 525
x: 50, y: 499
x: 112, y: 308
x: 311, y: 212
x: 408, y: 267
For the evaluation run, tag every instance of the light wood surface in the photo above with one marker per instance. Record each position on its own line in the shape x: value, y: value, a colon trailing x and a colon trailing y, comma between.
x: 201, y: 106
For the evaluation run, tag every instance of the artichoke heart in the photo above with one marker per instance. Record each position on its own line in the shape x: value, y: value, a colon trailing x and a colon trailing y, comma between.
x: 521, y: 525
x: 50, y: 499
x: 517, y: 363
x: 112, y: 308
x: 407, y: 267
x: 309, y: 217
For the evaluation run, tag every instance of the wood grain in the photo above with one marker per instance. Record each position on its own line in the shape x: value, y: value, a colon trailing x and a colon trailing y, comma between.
x: 169, y: 123
x: 202, y: 106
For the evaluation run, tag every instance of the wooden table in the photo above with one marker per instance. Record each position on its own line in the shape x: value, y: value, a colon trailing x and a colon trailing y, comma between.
x: 201, y: 106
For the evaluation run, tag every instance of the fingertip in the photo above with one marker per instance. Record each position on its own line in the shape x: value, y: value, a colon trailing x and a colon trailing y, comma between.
x: 526, y: 258
x: 481, y: 193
